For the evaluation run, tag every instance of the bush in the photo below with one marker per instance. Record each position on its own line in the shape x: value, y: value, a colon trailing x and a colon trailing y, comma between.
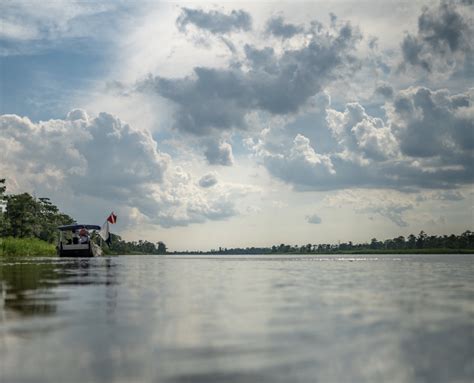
x: 26, y: 247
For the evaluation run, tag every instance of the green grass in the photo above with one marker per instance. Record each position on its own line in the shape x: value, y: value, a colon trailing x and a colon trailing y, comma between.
x: 26, y: 247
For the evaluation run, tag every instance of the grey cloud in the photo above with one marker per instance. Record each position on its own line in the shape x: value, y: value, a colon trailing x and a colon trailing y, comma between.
x: 314, y: 218
x: 444, y: 34
x: 219, y: 153
x: 373, y: 42
x: 218, y: 99
x: 393, y: 212
x: 385, y: 90
x: 411, y: 49
x: 433, y: 123
x: 450, y: 195
x: 261, y: 59
x: 198, y: 212
x: 125, y: 163
x: 276, y: 26
x: 208, y: 180
x: 425, y: 142
x: 229, y: 44
x: 214, y: 21
x: 333, y: 18
x: 444, y: 25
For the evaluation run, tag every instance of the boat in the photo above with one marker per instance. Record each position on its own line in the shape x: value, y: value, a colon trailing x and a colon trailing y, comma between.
x: 79, y: 241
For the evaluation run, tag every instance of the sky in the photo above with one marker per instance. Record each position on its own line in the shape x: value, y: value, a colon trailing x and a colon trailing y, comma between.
x: 235, y: 124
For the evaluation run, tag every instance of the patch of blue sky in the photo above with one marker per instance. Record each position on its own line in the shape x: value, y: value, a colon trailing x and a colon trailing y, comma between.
x: 66, y: 53
x: 42, y: 85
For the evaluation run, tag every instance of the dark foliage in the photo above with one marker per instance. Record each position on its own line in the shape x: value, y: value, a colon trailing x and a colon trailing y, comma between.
x: 27, y: 217
x: 119, y: 246
x: 420, y: 243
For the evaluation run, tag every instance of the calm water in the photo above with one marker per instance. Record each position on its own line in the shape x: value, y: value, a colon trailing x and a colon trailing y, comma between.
x: 238, y: 319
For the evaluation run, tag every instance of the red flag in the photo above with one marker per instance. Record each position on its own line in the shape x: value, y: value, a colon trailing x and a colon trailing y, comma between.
x: 112, y: 218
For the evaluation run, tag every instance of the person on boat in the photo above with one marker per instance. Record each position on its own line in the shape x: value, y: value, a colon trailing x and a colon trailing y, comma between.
x: 83, y: 235
x: 75, y: 237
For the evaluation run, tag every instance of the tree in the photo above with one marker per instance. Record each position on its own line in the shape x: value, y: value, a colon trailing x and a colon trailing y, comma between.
x: 399, y: 242
x: 467, y: 240
x: 411, y: 243
x: 50, y: 218
x: 21, y: 215
x: 420, y: 241
x: 161, y: 248
x: 374, y: 244
x: 2, y: 206
x: 26, y: 216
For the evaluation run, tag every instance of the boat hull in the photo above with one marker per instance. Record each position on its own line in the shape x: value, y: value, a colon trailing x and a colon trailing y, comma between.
x: 85, y: 250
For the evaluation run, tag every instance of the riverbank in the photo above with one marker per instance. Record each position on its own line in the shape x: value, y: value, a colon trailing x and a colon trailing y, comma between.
x: 26, y: 247
x: 35, y: 247
x: 407, y: 251
x: 335, y: 252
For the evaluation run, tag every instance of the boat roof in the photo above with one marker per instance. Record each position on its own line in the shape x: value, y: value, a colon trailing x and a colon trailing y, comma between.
x: 77, y: 226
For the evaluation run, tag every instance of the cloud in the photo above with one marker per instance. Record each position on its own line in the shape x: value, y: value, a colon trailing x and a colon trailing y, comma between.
x: 215, y: 22
x: 276, y: 26
x: 385, y: 90
x: 181, y: 201
x: 104, y: 161
x: 388, y: 204
x: 314, y: 218
x: 444, y: 39
x: 362, y: 134
x: 208, y: 180
x: 219, y: 153
x: 425, y: 141
x: 392, y: 212
x: 450, y: 195
x: 213, y: 100
x: 297, y: 164
x: 80, y: 148
x: 434, y: 124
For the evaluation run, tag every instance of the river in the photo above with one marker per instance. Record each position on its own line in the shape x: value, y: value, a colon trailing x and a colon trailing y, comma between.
x: 384, y: 318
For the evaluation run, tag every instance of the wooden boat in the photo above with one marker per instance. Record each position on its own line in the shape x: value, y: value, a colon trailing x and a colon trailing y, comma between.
x: 71, y: 244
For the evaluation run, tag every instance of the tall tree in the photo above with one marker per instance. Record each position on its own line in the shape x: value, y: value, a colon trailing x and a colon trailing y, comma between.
x: 2, y: 206
x: 161, y: 248
x: 50, y: 218
x: 22, y: 215
x: 26, y: 216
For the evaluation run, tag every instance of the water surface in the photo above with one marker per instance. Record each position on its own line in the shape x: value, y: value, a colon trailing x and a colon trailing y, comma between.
x: 403, y: 318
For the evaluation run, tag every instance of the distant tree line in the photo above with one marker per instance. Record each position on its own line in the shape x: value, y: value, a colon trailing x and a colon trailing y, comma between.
x: 24, y: 216
x: 420, y: 243
x: 412, y: 242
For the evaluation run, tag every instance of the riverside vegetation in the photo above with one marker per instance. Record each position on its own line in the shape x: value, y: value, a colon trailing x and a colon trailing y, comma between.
x: 28, y: 226
x: 420, y: 244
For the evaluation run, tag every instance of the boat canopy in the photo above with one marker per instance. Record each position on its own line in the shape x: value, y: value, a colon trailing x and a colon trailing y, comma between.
x: 78, y: 227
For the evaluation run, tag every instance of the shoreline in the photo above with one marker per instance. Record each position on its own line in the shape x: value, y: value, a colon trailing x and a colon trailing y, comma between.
x: 355, y: 252
x: 12, y: 247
